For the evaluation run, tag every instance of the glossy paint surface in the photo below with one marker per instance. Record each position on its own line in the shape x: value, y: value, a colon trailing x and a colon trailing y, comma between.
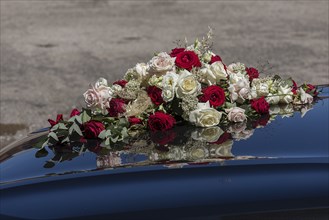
x: 281, y: 166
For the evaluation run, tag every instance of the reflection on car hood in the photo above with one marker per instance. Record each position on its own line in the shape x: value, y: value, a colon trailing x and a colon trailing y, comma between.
x: 293, y: 137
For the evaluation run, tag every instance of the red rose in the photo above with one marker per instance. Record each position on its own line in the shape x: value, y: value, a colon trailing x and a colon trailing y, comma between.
x: 187, y: 60
x: 163, y: 137
x: 214, y: 94
x: 160, y: 121
x: 121, y: 83
x: 215, y: 59
x: 74, y: 112
x: 93, y: 128
x: 252, y: 73
x: 134, y: 121
x: 176, y: 51
x: 223, y: 138
x: 311, y: 89
x: 260, y: 105
x: 294, y: 87
x: 58, y: 118
x: 117, y: 106
x: 155, y: 94
x: 262, y: 121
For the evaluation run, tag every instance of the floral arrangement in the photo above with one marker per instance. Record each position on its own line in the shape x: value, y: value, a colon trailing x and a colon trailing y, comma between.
x: 190, y: 84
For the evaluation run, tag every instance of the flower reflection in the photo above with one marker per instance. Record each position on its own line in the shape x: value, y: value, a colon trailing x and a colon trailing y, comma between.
x: 181, y: 146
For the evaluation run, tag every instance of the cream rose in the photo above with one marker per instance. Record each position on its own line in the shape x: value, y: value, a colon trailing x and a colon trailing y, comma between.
x: 236, y: 114
x: 211, y: 134
x: 187, y: 84
x: 259, y: 88
x: 205, y: 116
x: 161, y: 63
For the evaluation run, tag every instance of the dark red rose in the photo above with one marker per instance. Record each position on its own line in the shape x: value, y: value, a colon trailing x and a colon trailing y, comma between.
x: 121, y: 83
x: 262, y: 121
x: 214, y: 94
x: 117, y: 106
x: 215, y: 59
x: 294, y: 87
x: 160, y: 121
x: 155, y: 94
x: 187, y: 60
x: 311, y: 89
x: 260, y: 105
x: 93, y: 128
x: 58, y: 119
x: 163, y: 137
x: 176, y: 51
x: 74, y: 112
x: 252, y: 73
x: 223, y: 138
x: 134, y: 121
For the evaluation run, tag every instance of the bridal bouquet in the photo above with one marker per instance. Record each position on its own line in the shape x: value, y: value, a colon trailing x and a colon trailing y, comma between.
x: 188, y: 84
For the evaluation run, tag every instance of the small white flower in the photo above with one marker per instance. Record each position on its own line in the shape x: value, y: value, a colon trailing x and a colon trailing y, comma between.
x: 285, y: 93
x: 205, y: 116
x: 236, y: 68
x: 236, y: 114
x: 139, y: 72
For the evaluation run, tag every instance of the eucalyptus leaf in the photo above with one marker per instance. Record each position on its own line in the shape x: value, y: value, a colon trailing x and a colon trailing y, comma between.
x: 53, y: 135
x: 107, y: 141
x: 85, y: 116
x: 41, y: 153
x: 62, y: 126
x: 103, y: 134
x: 77, y: 129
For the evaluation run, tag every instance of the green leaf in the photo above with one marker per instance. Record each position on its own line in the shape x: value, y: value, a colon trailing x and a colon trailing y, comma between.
x: 85, y: 116
x: 62, y: 126
x: 107, y: 141
x: 77, y: 129
x: 41, y: 153
x: 53, y: 136
x: 103, y: 134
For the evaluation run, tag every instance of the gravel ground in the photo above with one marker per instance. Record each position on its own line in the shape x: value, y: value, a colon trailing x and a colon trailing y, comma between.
x: 52, y: 50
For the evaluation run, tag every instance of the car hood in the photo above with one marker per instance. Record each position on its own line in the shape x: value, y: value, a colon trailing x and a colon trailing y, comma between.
x: 294, y: 137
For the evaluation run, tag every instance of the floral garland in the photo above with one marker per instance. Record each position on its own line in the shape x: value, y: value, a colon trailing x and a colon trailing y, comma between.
x: 190, y: 84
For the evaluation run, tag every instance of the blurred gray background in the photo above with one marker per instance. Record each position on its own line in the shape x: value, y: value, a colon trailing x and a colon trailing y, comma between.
x: 52, y: 50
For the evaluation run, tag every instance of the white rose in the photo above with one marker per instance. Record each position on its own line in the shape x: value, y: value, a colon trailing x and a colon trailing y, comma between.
x: 239, y: 87
x: 187, y: 84
x: 211, y: 134
x: 169, y: 83
x: 205, y: 116
x: 236, y: 114
x: 285, y: 94
x: 141, y: 69
x: 212, y: 74
x: 272, y: 99
x: 161, y: 63
x: 305, y: 98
